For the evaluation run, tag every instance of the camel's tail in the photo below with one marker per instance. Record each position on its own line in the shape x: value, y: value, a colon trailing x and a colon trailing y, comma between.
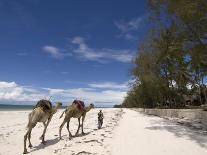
x: 62, y: 113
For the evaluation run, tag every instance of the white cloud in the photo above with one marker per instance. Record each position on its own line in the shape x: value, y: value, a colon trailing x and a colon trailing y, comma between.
x: 115, y: 97
x: 101, y: 55
x: 54, y: 91
x: 88, y: 95
x: 109, y: 85
x: 10, y: 91
x: 81, y: 49
x: 7, y: 84
x: 13, y: 92
x: 55, y: 52
x: 128, y: 28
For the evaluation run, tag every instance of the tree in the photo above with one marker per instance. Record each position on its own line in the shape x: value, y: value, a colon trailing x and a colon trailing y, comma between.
x: 173, y: 57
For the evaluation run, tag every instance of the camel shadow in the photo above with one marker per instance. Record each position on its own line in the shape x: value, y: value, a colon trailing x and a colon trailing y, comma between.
x: 180, y: 131
x: 82, y: 135
x: 42, y: 146
x: 75, y: 136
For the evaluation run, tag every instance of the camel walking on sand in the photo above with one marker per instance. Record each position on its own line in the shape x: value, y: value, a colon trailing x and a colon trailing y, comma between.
x: 74, y: 111
x: 42, y: 112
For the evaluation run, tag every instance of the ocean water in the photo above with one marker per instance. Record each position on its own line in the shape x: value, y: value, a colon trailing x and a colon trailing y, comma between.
x: 10, y: 107
x: 6, y: 107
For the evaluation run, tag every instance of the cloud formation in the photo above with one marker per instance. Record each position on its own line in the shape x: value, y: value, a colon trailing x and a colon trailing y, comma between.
x: 55, y: 52
x: 15, y: 92
x: 106, y: 92
x: 128, y: 28
x: 102, y: 55
x: 109, y: 85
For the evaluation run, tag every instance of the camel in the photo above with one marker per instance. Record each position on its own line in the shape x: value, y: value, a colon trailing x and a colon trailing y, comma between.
x: 75, y: 112
x: 42, y: 112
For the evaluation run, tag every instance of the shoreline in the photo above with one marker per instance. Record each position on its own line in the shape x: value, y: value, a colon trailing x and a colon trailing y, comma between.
x: 5, y: 107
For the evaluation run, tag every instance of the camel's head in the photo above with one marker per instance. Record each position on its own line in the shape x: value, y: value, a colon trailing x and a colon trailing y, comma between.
x: 91, y: 105
x: 59, y: 104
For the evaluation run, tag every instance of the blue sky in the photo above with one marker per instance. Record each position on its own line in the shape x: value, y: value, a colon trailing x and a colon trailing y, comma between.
x: 68, y: 49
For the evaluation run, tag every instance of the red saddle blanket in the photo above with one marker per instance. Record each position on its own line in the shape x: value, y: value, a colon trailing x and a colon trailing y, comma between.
x: 80, y: 104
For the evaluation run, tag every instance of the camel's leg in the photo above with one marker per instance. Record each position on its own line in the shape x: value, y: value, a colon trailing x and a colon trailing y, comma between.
x: 60, y: 129
x: 70, y: 135
x: 83, y: 118
x: 45, y: 128
x: 43, y: 134
x: 41, y: 137
x: 25, y: 139
x: 78, y: 127
x: 29, y: 138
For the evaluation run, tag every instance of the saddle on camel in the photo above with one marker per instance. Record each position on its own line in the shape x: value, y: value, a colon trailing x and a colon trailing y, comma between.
x: 81, y: 105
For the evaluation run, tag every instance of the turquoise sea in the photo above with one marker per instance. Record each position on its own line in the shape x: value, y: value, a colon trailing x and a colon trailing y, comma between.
x: 5, y: 107
x: 10, y: 107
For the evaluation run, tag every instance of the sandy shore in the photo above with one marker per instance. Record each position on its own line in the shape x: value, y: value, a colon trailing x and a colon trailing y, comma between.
x: 150, y: 135
x: 124, y: 132
x: 12, y: 130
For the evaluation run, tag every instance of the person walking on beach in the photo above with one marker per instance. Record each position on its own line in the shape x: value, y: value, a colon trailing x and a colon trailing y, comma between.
x: 100, y: 119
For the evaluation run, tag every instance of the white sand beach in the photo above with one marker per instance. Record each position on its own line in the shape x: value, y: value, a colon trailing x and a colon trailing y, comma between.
x: 124, y: 132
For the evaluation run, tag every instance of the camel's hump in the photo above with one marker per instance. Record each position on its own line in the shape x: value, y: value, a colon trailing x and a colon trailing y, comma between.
x: 45, y: 104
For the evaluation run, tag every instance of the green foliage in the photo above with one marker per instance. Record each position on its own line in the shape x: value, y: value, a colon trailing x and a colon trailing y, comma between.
x: 172, y: 57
